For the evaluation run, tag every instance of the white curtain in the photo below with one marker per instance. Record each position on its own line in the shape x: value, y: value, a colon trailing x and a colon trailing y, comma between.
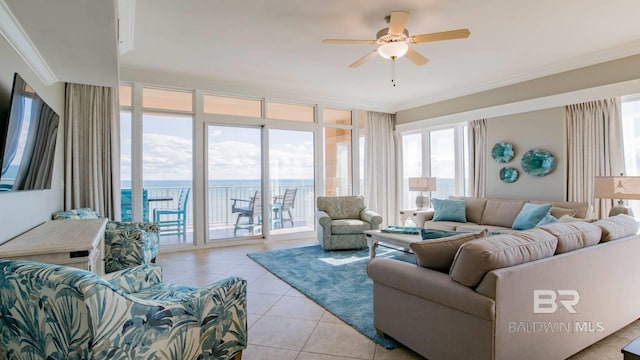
x: 593, y: 148
x: 381, y: 186
x: 478, y: 156
x: 92, y: 149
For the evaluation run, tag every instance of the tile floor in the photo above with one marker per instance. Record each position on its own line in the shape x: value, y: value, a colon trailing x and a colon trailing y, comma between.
x: 286, y: 325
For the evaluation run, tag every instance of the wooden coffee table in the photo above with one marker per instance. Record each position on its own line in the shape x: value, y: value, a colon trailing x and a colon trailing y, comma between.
x: 398, y: 240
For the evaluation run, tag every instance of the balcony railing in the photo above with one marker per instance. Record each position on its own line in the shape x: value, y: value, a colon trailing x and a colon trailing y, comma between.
x: 219, y: 202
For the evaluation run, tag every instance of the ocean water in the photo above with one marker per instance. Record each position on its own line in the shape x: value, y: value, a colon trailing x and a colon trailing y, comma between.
x: 220, y: 183
x: 446, y: 187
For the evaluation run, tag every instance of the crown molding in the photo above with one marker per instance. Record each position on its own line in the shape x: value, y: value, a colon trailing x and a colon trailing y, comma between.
x: 126, y: 24
x: 11, y: 30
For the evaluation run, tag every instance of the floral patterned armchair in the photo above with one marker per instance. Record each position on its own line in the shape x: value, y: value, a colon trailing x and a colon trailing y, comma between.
x: 342, y: 220
x: 126, y: 244
x: 58, y: 312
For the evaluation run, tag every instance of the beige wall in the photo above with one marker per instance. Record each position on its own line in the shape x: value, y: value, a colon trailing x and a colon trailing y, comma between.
x: 20, y: 211
x: 599, y: 75
x: 542, y: 129
x: 509, y: 115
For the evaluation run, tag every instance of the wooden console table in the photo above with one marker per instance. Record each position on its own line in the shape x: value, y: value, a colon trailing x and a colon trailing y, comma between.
x: 78, y: 243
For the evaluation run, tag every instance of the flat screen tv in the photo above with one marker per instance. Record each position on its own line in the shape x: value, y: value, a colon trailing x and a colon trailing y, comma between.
x: 28, y: 138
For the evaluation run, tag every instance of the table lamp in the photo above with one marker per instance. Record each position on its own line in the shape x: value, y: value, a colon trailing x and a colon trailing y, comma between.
x: 422, y: 184
x: 618, y: 187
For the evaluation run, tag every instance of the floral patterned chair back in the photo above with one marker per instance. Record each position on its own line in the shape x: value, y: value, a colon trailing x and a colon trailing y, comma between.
x: 58, y: 312
x: 81, y: 213
x: 126, y: 244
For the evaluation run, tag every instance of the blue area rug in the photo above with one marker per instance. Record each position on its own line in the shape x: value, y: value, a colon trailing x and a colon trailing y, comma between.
x: 336, y: 280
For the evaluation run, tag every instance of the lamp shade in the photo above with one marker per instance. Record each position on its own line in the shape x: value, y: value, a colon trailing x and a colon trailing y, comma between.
x: 617, y: 187
x: 422, y: 184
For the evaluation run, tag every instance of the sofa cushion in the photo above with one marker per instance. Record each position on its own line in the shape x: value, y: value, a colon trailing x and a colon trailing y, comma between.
x: 617, y: 227
x: 574, y: 235
x: 569, y: 218
x: 501, y: 212
x: 474, y: 207
x: 490, y: 228
x: 475, y: 258
x: 449, y: 210
x: 349, y: 226
x: 438, y: 254
x: 559, y: 212
x: 582, y: 209
x: 442, y: 225
x: 530, y: 215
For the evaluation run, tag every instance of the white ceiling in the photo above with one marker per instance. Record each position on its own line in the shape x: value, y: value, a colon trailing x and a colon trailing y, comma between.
x: 76, y: 38
x: 273, y: 48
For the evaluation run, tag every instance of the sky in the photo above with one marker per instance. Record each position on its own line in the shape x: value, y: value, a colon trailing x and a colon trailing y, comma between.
x: 233, y: 152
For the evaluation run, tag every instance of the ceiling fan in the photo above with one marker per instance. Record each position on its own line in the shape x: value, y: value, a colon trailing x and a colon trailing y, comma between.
x: 394, y: 40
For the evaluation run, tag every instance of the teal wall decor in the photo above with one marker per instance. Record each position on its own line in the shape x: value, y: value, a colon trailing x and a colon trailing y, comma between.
x: 537, y: 162
x: 509, y: 174
x: 502, y: 152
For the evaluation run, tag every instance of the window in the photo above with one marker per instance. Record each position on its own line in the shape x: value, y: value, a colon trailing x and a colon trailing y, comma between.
x: 362, y: 133
x: 338, y: 157
x: 232, y: 106
x: 167, y: 99
x: 336, y: 117
x: 161, y: 145
x: 631, y: 135
x: 441, y: 153
x: 125, y: 95
x: 156, y: 148
x: 293, y: 112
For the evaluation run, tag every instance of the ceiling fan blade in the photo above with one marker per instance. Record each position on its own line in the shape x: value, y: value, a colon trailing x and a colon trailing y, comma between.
x: 445, y: 35
x: 397, y: 22
x: 416, y: 57
x: 347, y: 41
x: 364, y: 59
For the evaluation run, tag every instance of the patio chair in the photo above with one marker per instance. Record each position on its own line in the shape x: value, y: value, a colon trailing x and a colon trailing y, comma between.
x: 59, y: 312
x: 175, y: 220
x: 126, y: 244
x: 125, y: 204
x: 286, y: 202
x: 250, y: 210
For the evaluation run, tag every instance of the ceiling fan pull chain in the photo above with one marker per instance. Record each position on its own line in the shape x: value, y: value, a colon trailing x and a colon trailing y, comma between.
x: 393, y: 71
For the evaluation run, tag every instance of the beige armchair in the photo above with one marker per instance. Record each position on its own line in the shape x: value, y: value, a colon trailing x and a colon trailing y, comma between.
x: 342, y: 221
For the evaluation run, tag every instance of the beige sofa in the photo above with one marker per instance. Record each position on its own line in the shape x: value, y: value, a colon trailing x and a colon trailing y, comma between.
x: 486, y: 307
x: 498, y: 215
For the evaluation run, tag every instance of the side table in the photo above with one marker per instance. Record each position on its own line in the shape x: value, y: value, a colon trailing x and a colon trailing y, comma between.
x: 632, y: 350
x: 412, y: 214
x: 78, y: 243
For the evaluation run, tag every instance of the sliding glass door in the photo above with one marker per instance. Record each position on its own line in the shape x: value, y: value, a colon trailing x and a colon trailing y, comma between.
x: 167, y: 196
x: 291, y: 169
x: 234, y: 182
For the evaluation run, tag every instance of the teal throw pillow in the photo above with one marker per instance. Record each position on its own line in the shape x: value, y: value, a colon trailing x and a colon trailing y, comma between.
x: 549, y: 219
x: 530, y: 216
x: 449, y: 210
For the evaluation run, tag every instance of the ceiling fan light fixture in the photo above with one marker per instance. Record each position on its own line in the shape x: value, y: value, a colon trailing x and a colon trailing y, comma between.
x: 393, y: 50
